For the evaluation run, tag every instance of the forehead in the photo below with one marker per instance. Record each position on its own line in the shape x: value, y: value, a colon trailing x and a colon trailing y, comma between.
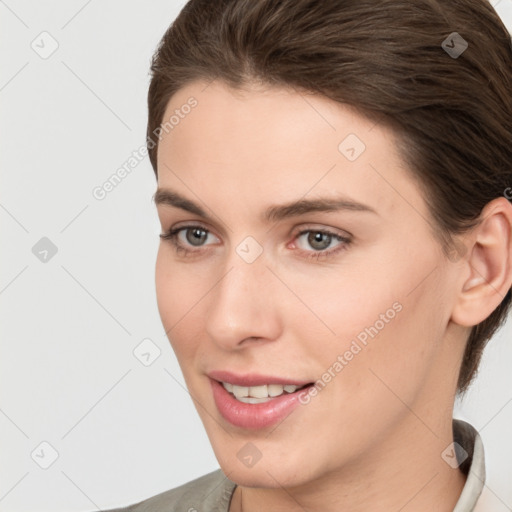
x: 279, y: 142
x: 261, y: 111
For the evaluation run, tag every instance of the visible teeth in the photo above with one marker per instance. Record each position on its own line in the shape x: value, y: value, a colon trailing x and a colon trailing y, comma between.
x: 275, y: 389
x: 258, y: 394
x: 251, y: 400
x: 240, y: 391
x: 258, y: 391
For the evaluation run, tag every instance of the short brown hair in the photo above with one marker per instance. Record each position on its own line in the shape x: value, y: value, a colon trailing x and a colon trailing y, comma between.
x: 452, y: 113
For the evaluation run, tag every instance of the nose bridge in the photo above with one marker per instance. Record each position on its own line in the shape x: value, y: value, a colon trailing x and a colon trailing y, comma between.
x: 242, y: 304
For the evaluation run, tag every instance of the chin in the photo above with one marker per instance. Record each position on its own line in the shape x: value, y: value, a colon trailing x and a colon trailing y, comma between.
x: 270, y: 472
x: 269, y: 478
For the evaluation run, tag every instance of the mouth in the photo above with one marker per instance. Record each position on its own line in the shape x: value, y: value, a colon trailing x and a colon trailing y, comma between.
x: 260, y: 394
x: 254, y: 401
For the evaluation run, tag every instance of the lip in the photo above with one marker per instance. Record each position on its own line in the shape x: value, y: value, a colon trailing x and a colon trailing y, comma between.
x: 253, y: 379
x: 254, y: 416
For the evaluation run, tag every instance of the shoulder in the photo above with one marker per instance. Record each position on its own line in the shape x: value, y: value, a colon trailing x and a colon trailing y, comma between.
x: 210, y: 492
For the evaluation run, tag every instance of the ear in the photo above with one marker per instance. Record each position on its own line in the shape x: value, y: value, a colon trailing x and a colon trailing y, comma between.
x: 486, y: 274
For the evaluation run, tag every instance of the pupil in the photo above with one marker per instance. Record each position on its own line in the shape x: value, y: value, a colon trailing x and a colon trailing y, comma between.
x: 198, y: 236
x: 315, y: 239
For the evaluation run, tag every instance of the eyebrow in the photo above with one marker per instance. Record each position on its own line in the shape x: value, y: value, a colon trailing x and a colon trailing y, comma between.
x: 164, y: 196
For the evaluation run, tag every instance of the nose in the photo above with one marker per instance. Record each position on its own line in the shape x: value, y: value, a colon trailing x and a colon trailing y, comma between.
x: 243, y: 306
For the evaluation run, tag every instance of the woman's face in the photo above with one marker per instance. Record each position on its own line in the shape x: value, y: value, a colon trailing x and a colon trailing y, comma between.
x: 262, y: 297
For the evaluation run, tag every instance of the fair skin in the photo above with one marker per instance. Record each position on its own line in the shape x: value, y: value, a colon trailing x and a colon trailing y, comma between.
x: 372, y: 438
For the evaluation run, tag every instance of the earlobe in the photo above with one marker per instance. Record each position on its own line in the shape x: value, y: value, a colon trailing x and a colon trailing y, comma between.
x: 488, y: 266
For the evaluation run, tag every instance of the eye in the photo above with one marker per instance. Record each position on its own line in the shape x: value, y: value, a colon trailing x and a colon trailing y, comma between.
x: 193, y: 236
x: 190, y: 240
x: 318, y: 240
x: 321, y: 241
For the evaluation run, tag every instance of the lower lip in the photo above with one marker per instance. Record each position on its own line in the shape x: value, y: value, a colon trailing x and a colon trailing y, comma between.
x: 253, y: 416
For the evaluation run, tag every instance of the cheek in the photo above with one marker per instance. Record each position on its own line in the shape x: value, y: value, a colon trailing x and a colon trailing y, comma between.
x: 165, y: 286
x: 177, y: 294
x: 386, y: 325
x: 179, y: 286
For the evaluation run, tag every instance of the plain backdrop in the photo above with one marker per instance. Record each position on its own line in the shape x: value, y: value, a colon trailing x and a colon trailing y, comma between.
x: 84, y: 423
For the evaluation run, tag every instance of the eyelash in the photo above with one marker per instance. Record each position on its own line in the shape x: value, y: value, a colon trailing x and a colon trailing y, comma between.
x: 172, y: 235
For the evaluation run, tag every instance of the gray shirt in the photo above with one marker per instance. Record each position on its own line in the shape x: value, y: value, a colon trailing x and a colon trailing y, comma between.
x: 212, y: 492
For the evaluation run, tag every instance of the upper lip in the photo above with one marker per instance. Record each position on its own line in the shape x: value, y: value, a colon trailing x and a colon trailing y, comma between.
x: 253, y: 379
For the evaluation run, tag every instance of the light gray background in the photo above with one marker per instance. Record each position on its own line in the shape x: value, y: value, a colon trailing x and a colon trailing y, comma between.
x: 122, y: 431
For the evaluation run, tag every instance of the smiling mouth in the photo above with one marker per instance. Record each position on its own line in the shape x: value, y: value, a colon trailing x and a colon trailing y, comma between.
x: 260, y: 394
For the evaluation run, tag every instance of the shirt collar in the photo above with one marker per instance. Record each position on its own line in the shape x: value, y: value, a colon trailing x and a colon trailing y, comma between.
x: 470, y: 454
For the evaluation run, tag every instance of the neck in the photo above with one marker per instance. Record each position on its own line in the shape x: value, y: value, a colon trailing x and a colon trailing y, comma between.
x: 405, y: 473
